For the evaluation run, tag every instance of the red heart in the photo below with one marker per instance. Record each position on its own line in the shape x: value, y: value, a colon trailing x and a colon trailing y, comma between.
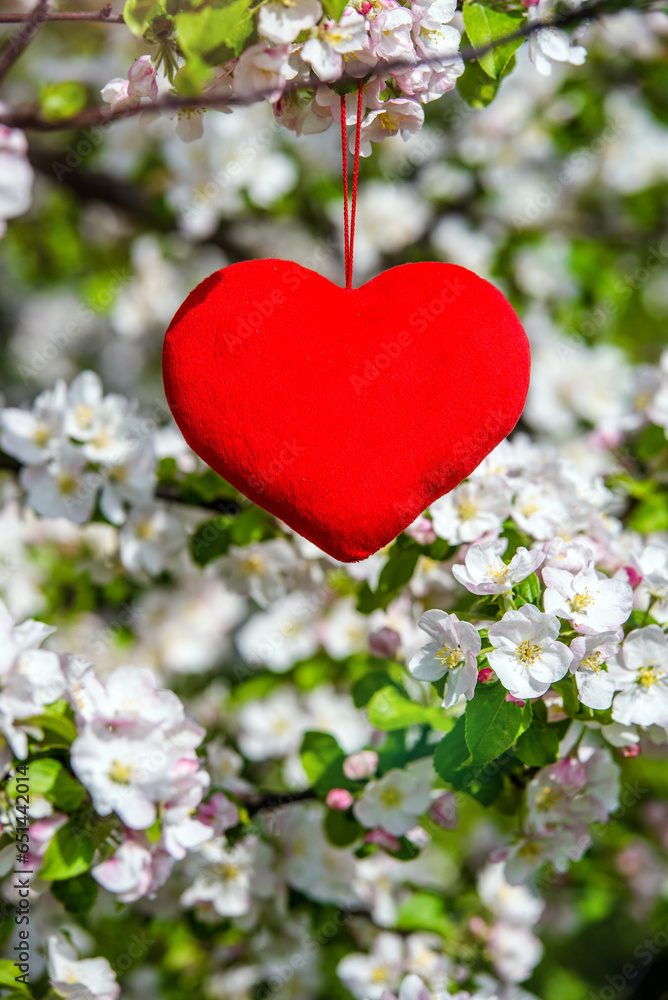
x: 345, y: 412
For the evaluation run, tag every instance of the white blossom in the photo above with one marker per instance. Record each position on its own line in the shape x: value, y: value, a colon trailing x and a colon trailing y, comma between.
x: 16, y: 174
x: 395, y: 801
x: 470, y: 511
x: 280, y: 21
x: 453, y: 654
x: 484, y: 572
x: 80, y: 979
x: 550, y: 45
x: 331, y: 41
x: 640, y: 673
x: 527, y: 656
x: 590, y: 600
x: 596, y: 685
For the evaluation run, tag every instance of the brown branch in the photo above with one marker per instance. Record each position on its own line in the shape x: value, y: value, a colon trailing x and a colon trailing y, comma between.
x: 20, y: 40
x: 93, y: 186
x: 173, y: 102
x: 270, y: 801
x: 104, y: 16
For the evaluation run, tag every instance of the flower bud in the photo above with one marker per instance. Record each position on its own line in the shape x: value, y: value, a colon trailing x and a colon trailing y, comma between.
x: 381, y: 838
x: 443, y: 811
x: 339, y: 798
x: 515, y: 701
x: 360, y: 765
x: 486, y: 675
x: 384, y: 643
x: 421, y: 531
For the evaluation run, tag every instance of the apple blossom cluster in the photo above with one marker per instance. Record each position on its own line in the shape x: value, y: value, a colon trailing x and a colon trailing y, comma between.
x: 134, y: 753
x: 407, y: 53
x: 80, y: 448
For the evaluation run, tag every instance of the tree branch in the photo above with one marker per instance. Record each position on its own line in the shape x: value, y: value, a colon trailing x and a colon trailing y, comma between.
x: 92, y: 117
x: 269, y: 801
x: 104, y: 16
x: 93, y: 186
x: 20, y: 40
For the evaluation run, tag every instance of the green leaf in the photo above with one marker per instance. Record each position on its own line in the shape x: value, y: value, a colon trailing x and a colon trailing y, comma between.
x: 334, y: 8
x: 215, y: 33
x: 214, y: 537
x: 368, y: 601
x: 322, y: 759
x: 484, y: 25
x: 475, y: 87
x: 398, y: 569
x: 452, y: 752
x: 140, y: 14
x: 651, y: 442
x: 59, y: 728
x: 568, y: 689
x: 366, y: 686
x: 49, y: 778
x: 538, y: 745
x: 8, y: 974
x: 651, y: 515
x: 423, y: 911
x: 69, y: 854
x: 341, y: 828
x: 529, y: 589
x: 392, y: 752
x: 78, y: 894
x: 62, y: 100
x: 388, y: 709
x: 492, y: 724
x: 639, y: 619
x: 408, y: 851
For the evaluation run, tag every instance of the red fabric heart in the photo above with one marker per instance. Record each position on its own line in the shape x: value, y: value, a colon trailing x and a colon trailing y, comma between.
x: 345, y: 412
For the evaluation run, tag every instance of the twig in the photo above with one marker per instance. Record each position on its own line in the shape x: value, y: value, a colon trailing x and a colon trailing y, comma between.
x: 174, y: 102
x: 93, y: 186
x: 19, y: 41
x: 271, y: 801
x: 104, y: 15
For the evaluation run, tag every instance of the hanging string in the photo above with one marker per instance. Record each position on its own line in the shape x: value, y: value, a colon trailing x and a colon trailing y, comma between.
x: 344, y: 158
x: 349, y: 224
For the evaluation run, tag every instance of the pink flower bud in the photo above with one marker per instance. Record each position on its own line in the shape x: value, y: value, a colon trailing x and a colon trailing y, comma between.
x: 142, y: 79
x: 384, y: 643
x: 366, y: 7
x: 515, y: 701
x: 486, y: 675
x: 421, y: 531
x: 632, y: 750
x: 443, y: 811
x: 339, y: 798
x: 478, y: 927
x: 633, y: 576
x: 360, y: 765
x: 381, y: 838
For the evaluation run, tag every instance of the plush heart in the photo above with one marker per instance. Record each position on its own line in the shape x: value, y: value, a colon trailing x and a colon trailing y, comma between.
x: 345, y: 412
